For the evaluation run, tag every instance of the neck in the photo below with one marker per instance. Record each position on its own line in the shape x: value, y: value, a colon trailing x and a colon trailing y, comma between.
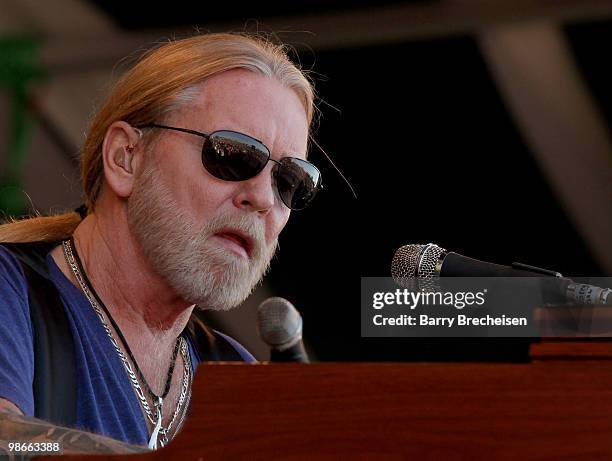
x: 143, y: 305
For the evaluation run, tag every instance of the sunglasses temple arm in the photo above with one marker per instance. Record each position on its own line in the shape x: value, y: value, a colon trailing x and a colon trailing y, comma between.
x: 335, y: 167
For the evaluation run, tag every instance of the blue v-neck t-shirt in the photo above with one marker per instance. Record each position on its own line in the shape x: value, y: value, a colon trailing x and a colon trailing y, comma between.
x: 106, y: 401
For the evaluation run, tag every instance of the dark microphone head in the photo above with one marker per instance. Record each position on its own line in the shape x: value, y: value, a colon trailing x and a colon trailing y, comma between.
x: 279, y: 323
x: 416, y: 261
x: 431, y: 262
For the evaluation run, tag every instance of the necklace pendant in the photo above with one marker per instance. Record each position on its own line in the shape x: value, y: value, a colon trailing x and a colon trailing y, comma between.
x: 163, y: 440
x: 158, y: 426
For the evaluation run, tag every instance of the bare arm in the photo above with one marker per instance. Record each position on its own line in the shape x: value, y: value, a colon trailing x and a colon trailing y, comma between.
x: 14, y: 426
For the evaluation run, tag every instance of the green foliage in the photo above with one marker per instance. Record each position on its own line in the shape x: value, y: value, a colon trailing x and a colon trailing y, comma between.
x: 19, y: 68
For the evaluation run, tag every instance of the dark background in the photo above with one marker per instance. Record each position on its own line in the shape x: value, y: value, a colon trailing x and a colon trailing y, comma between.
x: 435, y: 157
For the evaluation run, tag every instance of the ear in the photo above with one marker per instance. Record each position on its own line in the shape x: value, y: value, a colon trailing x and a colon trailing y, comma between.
x: 121, y: 155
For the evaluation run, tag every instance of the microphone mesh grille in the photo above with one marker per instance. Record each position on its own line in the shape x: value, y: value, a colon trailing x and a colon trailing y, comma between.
x: 405, y: 261
x: 418, y: 262
x: 429, y: 260
x: 279, y: 323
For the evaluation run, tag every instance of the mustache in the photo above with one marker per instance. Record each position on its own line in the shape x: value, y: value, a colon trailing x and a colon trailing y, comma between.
x: 247, y: 224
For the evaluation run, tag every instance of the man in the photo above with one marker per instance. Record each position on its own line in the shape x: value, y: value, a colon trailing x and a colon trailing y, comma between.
x: 190, y: 171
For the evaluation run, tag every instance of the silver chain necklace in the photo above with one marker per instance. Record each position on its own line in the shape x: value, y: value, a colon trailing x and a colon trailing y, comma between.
x: 159, y: 433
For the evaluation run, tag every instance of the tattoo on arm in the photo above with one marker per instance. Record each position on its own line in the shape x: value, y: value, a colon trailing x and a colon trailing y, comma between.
x: 16, y: 427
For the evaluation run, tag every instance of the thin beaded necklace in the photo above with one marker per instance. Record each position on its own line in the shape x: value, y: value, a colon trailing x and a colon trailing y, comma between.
x: 74, y: 262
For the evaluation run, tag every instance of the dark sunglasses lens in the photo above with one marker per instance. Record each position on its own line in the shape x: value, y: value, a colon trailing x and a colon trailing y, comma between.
x: 233, y: 156
x: 297, y: 182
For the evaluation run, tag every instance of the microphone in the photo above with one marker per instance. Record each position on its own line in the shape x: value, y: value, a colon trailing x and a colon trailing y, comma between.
x: 280, y: 327
x: 431, y: 262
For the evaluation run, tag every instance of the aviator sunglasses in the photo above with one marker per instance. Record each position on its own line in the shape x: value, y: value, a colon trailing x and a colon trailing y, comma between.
x: 233, y: 156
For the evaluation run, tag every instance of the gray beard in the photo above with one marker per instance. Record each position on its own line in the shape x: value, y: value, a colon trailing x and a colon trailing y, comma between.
x: 199, y: 271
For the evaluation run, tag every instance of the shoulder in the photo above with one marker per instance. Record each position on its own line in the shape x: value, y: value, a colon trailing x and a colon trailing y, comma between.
x: 16, y: 335
x: 12, y: 277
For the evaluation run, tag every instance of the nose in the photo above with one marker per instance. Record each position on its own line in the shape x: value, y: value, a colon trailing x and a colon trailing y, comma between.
x: 256, y: 194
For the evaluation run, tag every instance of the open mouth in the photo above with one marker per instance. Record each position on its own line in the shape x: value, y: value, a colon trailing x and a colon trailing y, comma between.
x: 236, y: 241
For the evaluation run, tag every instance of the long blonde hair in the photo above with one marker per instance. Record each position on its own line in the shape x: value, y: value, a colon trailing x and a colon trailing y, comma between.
x: 158, y: 84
